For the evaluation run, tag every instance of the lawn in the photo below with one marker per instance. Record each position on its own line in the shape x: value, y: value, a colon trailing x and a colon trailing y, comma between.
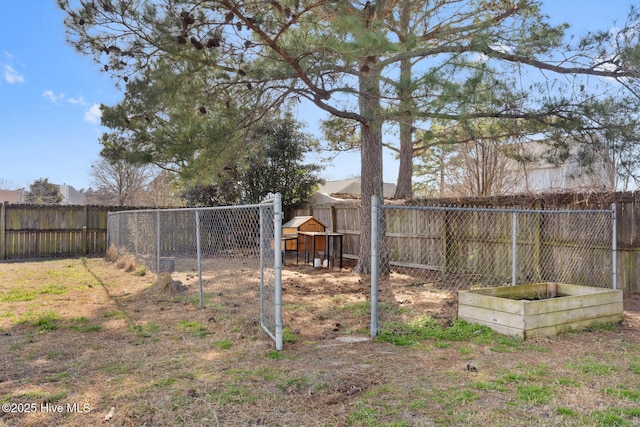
x: 90, y: 342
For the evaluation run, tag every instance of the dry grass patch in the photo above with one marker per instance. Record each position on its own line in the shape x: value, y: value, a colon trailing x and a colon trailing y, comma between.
x: 132, y: 343
x: 112, y: 254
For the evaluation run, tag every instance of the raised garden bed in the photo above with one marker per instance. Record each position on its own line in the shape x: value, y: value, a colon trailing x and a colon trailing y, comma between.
x: 540, y: 309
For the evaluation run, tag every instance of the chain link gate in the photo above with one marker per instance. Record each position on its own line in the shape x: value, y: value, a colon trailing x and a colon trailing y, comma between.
x: 232, y: 249
x: 464, y: 248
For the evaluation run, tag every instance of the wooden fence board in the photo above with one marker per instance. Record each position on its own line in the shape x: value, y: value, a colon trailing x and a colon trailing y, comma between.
x: 36, y: 231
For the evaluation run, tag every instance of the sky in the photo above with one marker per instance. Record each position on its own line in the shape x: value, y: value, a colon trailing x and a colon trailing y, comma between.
x: 50, y: 95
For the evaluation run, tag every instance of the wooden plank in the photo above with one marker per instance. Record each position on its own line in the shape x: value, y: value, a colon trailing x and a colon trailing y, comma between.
x: 472, y: 314
x: 499, y: 328
x: 568, y: 316
x: 474, y: 299
x: 576, y: 325
x: 571, y: 302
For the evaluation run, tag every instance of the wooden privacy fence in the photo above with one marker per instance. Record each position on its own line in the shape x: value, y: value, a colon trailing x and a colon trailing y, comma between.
x: 35, y: 231
x: 344, y: 217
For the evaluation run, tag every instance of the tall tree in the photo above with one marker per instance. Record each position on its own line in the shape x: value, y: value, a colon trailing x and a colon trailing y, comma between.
x: 275, y: 163
x: 343, y: 56
x: 42, y: 192
x: 119, y: 182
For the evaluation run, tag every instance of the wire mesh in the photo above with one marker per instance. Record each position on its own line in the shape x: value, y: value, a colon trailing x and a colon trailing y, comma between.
x: 230, y: 249
x: 463, y: 248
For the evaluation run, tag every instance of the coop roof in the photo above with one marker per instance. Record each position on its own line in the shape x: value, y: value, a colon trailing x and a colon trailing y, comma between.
x: 297, y: 221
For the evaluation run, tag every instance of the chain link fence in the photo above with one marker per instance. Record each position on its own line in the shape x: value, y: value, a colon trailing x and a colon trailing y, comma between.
x: 464, y: 248
x: 231, y: 251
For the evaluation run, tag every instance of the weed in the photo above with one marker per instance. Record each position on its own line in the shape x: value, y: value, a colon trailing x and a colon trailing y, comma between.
x: 288, y: 336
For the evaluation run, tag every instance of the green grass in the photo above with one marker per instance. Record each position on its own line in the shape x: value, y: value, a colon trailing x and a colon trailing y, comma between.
x: 424, y: 328
x: 57, y: 377
x: 288, y: 336
x: 115, y: 314
x: 53, y: 289
x: 146, y: 330
x: 195, y: 328
x: 82, y: 324
x: 222, y: 345
x: 17, y: 295
x: 47, y: 321
x: 623, y: 392
x: 533, y: 394
x: 591, y: 367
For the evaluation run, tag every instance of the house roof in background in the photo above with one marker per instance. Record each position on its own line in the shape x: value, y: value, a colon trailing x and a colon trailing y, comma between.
x: 352, y: 186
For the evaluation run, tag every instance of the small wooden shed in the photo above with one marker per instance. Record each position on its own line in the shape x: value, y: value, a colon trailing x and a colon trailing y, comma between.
x: 302, y: 223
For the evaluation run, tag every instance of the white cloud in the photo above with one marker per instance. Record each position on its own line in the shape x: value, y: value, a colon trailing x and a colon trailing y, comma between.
x: 11, y: 76
x: 52, y: 96
x: 93, y: 114
x: 78, y: 101
x: 9, y: 73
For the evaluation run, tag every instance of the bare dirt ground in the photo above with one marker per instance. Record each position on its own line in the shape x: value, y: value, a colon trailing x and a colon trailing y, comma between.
x: 84, y: 342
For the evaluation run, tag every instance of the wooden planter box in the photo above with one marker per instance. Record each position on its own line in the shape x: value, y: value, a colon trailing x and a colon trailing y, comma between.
x: 540, y: 309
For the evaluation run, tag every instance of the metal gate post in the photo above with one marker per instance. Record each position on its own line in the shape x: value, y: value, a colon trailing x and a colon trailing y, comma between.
x: 614, y: 246
x: 375, y: 268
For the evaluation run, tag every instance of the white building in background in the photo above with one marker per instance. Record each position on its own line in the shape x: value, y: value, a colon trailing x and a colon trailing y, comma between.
x: 71, y: 196
x: 541, y: 175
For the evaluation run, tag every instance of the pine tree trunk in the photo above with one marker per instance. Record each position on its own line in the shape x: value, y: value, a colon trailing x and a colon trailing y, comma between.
x: 371, y: 163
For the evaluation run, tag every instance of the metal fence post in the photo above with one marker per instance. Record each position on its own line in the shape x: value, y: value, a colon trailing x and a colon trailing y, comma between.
x: 158, y: 243
x: 514, y: 248
x: 277, y: 248
x: 135, y: 242
x: 199, y: 253
x: 614, y: 246
x: 375, y: 268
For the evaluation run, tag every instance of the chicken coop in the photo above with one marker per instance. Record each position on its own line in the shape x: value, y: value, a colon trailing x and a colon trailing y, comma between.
x: 302, y: 223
